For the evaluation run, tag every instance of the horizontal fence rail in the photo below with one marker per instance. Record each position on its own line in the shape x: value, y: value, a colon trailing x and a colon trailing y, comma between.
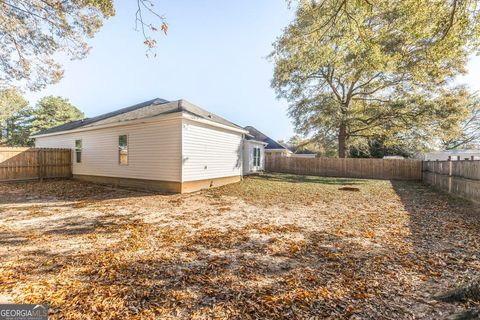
x: 396, y: 169
x: 461, y: 178
x: 34, y: 163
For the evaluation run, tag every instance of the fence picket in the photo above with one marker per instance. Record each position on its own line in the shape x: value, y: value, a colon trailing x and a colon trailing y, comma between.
x: 348, y: 168
x: 461, y: 177
x: 34, y: 163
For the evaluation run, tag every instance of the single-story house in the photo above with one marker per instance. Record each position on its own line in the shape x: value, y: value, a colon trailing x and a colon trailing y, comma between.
x: 454, y: 155
x: 169, y: 146
x: 272, y: 146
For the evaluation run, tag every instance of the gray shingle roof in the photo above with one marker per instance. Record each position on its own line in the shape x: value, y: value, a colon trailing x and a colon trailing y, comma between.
x: 257, y: 135
x: 142, y: 110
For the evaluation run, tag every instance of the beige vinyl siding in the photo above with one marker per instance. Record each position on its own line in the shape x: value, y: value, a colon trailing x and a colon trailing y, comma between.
x: 154, y: 150
x: 210, y: 152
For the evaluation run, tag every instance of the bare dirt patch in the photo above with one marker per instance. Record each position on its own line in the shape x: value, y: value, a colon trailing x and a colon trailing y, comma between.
x: 277, y: 246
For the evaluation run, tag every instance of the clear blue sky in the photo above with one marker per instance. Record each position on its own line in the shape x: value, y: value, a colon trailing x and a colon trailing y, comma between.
x: 214, y: 56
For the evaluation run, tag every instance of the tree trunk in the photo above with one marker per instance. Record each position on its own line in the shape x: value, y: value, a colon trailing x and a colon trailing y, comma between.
x: 342, y: 140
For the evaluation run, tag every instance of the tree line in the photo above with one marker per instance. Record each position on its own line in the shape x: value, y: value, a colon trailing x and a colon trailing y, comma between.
x: 19, y: 120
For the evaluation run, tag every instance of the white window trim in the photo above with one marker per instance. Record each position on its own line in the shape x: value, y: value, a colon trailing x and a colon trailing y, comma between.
x: 257, y: 156
x: 77, y: 149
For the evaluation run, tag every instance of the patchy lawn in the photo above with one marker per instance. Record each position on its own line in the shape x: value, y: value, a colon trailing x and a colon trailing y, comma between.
x: 277, y: 246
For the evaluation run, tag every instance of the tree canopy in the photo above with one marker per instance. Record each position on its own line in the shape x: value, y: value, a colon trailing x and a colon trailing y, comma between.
x: 52, y: 111
x: 34, y: 31
x: 467, y: 134
x: 18, y: 120
x: 300, y: 144
x: 355, y: 69
x: 11, y: 102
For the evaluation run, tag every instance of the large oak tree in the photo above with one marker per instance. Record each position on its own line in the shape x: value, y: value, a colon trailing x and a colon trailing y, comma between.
x: 358, y: 68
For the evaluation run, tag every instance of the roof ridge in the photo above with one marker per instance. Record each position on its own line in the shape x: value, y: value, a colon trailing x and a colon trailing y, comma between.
x: 153, y: 107
x: 86, y: 121
x: 126, y: 109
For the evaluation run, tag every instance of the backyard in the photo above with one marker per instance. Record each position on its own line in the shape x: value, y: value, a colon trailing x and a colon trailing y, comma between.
x: 272, y: 246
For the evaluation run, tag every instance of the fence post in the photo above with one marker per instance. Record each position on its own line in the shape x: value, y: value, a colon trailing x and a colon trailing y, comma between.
x: 450, y: 176
x: 41, y: 164
x: 38, y: 164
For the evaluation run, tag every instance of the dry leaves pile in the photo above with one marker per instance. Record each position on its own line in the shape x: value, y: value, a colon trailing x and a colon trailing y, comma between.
x: 277, y: 246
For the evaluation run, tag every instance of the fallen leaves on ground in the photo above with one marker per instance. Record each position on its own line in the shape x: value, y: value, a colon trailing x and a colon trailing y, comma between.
x: 277, y: 246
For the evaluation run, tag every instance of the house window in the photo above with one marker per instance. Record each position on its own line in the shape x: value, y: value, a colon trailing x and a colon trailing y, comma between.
x: 256, y: 157
x: 123, y: 149
x: 78, y: 151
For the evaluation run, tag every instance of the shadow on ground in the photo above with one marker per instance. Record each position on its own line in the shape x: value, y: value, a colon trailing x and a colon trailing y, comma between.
x: 293, y: 178
x: 58, y: 190
x: 445, y: 233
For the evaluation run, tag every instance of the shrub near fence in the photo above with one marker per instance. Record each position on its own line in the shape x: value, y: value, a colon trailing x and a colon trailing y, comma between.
x: 32, y: 163
x: 461, y: 178
x: 398, y: 169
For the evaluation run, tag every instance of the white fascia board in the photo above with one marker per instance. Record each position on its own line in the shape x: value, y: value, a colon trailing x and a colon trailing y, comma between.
x: 279, y: 150
x: 256, y: 142
x: 194, y: 118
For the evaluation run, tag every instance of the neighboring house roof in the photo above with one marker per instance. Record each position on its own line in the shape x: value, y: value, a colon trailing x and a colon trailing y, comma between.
x: 452, y: 154
x: 305, y: 151
x: 147, y: 109
x: 254, y: 134
x: 457, y: 151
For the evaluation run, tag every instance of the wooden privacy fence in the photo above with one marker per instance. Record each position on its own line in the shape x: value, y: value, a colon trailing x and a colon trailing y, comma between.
x: 398, y: 169
x: 32, y: 163
x: 461, y: 178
